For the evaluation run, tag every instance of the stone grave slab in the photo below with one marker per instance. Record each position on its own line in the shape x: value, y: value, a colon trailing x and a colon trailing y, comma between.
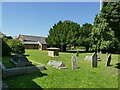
x: 20, y: 61
x: 57, y: 64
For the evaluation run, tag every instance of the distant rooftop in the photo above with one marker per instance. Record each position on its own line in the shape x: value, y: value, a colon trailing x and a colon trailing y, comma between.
x: 31, y: 38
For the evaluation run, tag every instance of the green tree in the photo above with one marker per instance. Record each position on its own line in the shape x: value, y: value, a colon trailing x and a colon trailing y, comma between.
x: 105, y: 32
x: 103, y: 36
x: 85, y: 36
x: 111, y: 12
x: 12, y: 45
x: 16, y: 46
x: 63, y: 34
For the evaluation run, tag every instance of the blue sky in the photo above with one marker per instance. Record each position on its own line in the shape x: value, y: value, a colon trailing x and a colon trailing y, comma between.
x: 38, y: 17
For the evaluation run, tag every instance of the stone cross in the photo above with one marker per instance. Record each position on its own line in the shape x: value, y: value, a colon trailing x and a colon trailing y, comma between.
x: 74, y: 62
x: 108, y: 59
x: 94, y: 59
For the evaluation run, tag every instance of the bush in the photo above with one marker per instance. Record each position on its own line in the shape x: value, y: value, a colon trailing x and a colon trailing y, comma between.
x: 110, y: 46
x: 12, y: 45
x: 16, y: 46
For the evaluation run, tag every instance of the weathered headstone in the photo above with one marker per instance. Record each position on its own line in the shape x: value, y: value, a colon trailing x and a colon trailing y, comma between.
x: 74, y: 62
x: 57, y: 64
x: 88, y: 58
x: 94, y: 59
x: 99, y: 56
x: 108, y: 59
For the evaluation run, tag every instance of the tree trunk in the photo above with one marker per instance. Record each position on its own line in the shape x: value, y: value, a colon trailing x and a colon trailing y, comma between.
x: 63, y: 48
x: 87, y: 48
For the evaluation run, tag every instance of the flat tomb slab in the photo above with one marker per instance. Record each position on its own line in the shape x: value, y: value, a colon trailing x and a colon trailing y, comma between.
x: 57, y: 64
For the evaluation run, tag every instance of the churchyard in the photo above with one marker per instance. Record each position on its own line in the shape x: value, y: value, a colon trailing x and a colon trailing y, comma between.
x: 85, y: 75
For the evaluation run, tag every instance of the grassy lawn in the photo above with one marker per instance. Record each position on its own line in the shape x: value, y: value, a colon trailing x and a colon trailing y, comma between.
x: 83, y: 77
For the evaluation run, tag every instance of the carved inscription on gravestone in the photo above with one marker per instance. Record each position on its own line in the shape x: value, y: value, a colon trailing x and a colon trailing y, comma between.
x: 74, y: 62
x: 94, y: 59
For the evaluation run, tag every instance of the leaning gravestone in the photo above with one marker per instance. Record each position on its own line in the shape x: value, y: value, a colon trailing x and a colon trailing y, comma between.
x: 57, y: 64
x: 108, y: 59
x: 74, y: 62
x: 94, y: 59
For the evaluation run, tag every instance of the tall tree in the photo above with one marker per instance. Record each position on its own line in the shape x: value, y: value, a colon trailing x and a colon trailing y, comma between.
x: 85, y: 36
x: 103, y: 36
x: 111, y: 12
x: 63, y: 34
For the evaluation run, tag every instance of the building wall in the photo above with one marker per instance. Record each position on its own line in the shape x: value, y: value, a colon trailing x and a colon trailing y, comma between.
x: 44, y: 47
x: 35, y: 46
x: 20, y: 38
x: 30, y: 46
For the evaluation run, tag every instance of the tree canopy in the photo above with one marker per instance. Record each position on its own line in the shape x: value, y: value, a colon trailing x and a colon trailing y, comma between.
x: 111, y: 12
x: 103, y: 35
x: 105, y: 31
x: 63, y: 34
x: 84, y: 38
x: 12, y: 45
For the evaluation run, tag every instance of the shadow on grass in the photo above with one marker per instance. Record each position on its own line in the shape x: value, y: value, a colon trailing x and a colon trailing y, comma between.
x: 79, y: 51
x: 22, y: 76
x: 24, y: 81
x: 26, y: 55
x: 118, y: 65
x: 75, y: 51
x: 14, y: 55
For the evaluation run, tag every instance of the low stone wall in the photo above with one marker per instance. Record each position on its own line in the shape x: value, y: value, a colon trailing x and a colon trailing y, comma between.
x: 22, y: 70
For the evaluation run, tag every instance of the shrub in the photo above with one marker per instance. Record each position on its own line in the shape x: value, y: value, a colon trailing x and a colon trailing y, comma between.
x: 16, y: 46
x: 12, y: 45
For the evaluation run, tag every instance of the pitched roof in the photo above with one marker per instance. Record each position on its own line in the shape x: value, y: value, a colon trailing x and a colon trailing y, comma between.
x: 34, y: 38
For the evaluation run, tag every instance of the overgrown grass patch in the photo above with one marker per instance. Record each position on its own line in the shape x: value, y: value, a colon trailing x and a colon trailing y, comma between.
x: 83, y: 77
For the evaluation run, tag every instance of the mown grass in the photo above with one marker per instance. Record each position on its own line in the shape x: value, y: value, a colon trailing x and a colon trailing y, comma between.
x: 83, y: 77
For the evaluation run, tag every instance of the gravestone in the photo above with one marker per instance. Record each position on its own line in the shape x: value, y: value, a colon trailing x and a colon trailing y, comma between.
x: 99, y: 56
x: 57, y: 64
x: 94, y: 59
x: 20, y: 61
x: 74, y: 62
x: 108, y: 59
x: 88, y: 58
x: 77, y: 54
